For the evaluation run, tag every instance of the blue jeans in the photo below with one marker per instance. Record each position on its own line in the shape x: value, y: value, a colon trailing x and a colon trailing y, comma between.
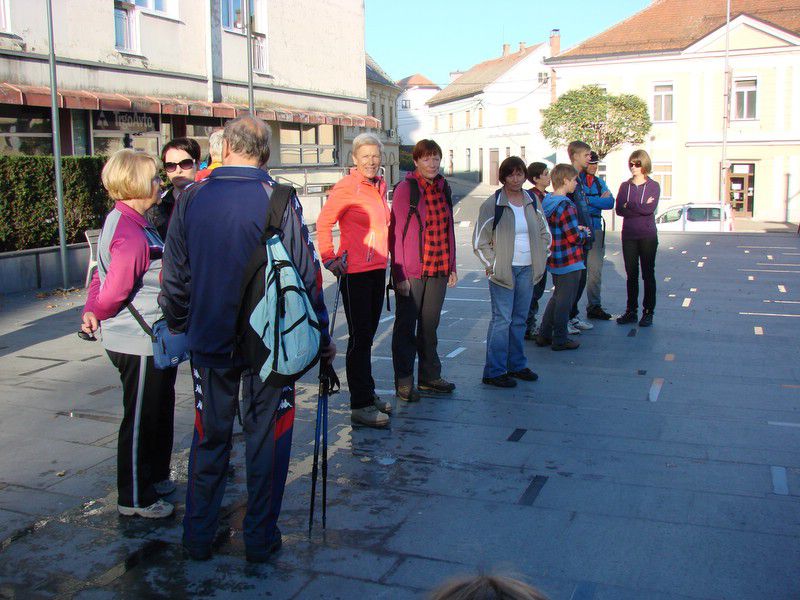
x: 505, y: 345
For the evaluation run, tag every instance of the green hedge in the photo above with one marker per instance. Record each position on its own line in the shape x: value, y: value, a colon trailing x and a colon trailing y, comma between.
x: 28, y: 209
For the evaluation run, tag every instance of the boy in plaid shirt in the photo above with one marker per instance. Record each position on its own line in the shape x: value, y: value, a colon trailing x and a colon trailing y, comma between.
x: 566, y: 261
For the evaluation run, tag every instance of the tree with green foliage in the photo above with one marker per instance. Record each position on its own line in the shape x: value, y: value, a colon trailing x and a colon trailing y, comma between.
x: 592, y: 115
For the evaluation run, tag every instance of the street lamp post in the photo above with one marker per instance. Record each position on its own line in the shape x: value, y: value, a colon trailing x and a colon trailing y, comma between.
x: 62, y: 236
x: 726, y: 116
x: 249, y: 29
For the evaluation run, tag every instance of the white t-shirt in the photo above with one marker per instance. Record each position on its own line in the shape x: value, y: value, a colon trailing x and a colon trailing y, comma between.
x: 522, y: 242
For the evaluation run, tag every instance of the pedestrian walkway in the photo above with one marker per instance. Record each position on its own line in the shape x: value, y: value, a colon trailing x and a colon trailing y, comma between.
x: 650, y: 463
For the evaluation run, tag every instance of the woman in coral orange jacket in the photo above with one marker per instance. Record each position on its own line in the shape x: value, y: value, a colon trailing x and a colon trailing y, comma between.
x: 358, y: 203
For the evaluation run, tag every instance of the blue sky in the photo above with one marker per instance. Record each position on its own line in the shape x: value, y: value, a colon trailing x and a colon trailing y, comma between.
x: 434, y: 37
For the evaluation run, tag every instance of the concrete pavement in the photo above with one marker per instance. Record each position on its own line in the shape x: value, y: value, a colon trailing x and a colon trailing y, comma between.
x: 650, y: 463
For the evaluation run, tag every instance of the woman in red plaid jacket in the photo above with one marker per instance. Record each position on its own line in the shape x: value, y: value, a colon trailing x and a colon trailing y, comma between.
x: 422, y: 243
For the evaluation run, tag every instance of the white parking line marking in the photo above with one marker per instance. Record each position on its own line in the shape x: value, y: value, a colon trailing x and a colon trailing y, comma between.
x: 782, y: 289
x: 692, y: 289
x: 443, y: 312
x: 705, y: 258
x: 456, y: 352
x: 708, y: 243
x: 384, y: 319
x: 780, y: 485
x: 672, y: 295
x: 783, y: 424
x: 747, y: 251
x: 769, y: 257
x: 672, y: 247
x: 774, y: 264
x: 669, y: 357
x: 757, y: 314
x: 769, y: 247
x: 750, y: 278
x: 465, y: 300
x: 782, y: 301
x: 655, y: 389
x: 768, y: 271
x: 683, y: 252
x: 700, y: 264
x: 758, y: 330
x: 686, y: 302
x: 667, y: 278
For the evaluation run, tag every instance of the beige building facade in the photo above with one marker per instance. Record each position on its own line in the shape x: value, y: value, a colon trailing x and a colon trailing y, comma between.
x: 685, y: 90
x: 137, y: 73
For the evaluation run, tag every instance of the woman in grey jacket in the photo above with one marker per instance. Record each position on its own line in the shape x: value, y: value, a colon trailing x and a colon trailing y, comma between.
x: 127, y: 280
x: 512, y: 241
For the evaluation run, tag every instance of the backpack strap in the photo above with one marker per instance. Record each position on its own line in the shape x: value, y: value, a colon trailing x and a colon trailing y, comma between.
x: 498, y: 211
x: 279, y: 199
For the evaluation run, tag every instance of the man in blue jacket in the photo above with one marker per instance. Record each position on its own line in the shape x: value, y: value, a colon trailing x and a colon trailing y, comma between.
x: 598, y: 198
x: 213, y: 232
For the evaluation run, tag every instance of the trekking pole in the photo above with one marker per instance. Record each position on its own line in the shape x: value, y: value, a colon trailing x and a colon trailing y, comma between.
x: 322, y: 423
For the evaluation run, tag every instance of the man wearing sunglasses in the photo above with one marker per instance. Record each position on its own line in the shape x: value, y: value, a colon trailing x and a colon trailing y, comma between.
x: 180, y: 158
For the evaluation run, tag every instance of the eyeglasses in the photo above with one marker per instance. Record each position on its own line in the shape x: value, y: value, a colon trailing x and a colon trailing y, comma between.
x: 185, y: 164
x: 635, y: 163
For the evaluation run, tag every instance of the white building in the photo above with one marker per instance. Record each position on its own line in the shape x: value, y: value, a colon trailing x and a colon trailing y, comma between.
x: 137, y: 73
x: 672, y: 54
x: 413, y: 115
x: 493, y: 111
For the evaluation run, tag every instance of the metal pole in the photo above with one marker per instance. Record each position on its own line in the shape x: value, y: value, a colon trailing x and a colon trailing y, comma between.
x: 726, y: 116
x: 62, y: 236
x: 249, y: 27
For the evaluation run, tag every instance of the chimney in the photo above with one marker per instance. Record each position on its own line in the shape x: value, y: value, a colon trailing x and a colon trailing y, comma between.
x: 555, y: 42
x: 521, y: 46
x: 455, y: 75
x: 506, y: 49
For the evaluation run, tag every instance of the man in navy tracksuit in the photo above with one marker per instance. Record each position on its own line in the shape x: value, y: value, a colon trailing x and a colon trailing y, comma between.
x: 213, y: 232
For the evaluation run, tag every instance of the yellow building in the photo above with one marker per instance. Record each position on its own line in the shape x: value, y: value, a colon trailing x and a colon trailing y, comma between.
x: 672, y: 54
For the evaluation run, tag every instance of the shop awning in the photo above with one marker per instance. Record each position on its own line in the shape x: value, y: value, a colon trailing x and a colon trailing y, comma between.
x: 28, y: 95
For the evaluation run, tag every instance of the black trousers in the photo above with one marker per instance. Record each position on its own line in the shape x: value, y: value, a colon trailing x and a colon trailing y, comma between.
x: 362, y: 296
x: 414, y: 334
x: 557, y: 312
x: 144, y: 444
x: 635, y: 252
x: 538, y: 292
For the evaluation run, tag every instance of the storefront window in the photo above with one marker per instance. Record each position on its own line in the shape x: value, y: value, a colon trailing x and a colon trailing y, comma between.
x: 25, y: 130
x: 307, y: 144
x: 199, y: 128
x: 114, y: 130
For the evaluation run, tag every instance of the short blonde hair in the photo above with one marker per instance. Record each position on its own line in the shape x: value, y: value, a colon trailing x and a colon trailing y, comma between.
x: 561, y: 174
x: 641, y: 155
x: 129, y: 174
x: 486, y: 587
x: 215, y: 145
x: 366, y: 139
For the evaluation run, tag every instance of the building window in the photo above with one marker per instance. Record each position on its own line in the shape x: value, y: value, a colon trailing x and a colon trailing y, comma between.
x: 522, y: 153
x: 511, y: 115
x: 25, y: 130
x: 5, y: 24
x: 469, y: 161
x: 450, y: 122
x: 662, y: 173
x: 450, y: 162
x: 745, y: 97
x: 662, y: 102
x: 436, y: 123
x: 125, y: 37
x: 508, y: 151
x: 232, y: 17
x: 259, y: 41
x: 161, y: 6
x: 544, y: 77
x: 468, y: 121
x: 307, y: 144
x: 405, y: 103
x: 480, y: 117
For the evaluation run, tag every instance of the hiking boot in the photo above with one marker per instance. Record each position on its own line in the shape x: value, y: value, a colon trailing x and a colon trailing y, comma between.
x: 568, y: 345
x: 597, y: 312
x: 437, y: 386
x: 159, y: 509
x: 647, y: 319
x: 382, y: 405
x: 407, y: 393
x: 165, y: 487
x: 582, y: 325
x: 542, y: 341
x: 525, y: 374
x: 263, y: 555
x: 369, y: 416
x: 629, y: 316
x: 503, y: 381
x: 572, y: 330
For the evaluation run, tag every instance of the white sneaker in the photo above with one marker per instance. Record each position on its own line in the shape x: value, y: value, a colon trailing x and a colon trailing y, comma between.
x: 584, y: 325
x: 157, y: 510
x: 165, y: 488
x: 572, y: 330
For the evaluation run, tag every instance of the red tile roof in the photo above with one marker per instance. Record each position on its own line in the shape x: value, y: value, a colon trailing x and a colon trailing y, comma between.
x: 476, y: 79
x: 416, y: 80
x: 669, y: 25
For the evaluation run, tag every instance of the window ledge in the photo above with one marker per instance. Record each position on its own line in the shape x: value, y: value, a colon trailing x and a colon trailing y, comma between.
x: 234, y: 31
x: 753, y: 120
x: 159, y: 15
x: 265, y: 74
x: 668, y: 122
x: 131, y: 53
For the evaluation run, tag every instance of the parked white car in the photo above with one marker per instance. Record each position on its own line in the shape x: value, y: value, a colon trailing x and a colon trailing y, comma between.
x: 695, y: 217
